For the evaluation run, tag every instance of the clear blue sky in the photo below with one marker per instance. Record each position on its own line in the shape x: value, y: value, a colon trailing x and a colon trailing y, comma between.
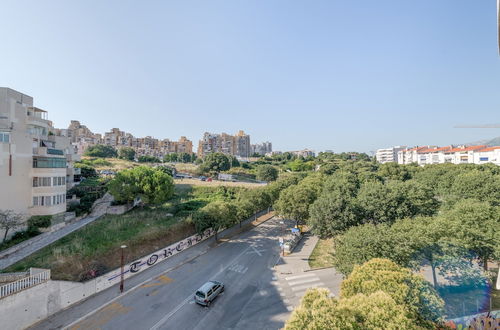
x: 341, y: 75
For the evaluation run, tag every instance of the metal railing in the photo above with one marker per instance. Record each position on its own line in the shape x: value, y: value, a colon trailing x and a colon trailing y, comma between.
x: 24, y: 283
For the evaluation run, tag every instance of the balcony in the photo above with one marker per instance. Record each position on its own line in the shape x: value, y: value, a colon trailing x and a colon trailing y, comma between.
x: 44, y: 151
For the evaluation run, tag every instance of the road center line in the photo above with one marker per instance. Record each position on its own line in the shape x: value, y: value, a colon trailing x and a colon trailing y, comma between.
x: 169, y: 315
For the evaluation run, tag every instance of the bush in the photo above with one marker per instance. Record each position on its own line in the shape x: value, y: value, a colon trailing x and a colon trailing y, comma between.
x: 101, y: 151
x: 40, y: 221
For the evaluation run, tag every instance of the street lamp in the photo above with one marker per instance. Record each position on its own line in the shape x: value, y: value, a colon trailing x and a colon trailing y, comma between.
x: 122, y: 268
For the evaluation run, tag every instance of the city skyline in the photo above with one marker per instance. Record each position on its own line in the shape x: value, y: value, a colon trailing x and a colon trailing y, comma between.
x: 331, y: 75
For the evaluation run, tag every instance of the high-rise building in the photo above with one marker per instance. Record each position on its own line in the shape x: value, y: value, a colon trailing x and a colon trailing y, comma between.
x: 261, y: 148
x: 236, y: 145
x: 36, y: 161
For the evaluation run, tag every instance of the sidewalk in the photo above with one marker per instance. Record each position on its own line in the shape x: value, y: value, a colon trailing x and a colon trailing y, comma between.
x: 298, y: 260
x: 24, y: 249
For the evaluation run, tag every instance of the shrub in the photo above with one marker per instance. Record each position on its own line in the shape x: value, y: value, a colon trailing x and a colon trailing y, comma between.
x: 40, y: 221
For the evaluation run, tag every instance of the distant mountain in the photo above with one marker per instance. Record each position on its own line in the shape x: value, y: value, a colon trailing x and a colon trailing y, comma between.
x: 489, y: 143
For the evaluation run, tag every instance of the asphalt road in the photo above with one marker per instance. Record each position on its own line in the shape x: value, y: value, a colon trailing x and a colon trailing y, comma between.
x: 250, y: 301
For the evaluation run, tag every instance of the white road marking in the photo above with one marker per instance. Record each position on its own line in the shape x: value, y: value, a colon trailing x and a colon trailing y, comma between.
x: 256, y: 251
x: 109, y: 302
x: 305, y: 287
x: 306, y: 280
x: 299, y: 276
x: 289, y: 308
x: 169, y: 315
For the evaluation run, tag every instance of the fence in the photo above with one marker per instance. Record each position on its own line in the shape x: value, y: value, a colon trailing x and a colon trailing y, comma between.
x: 41, y: 276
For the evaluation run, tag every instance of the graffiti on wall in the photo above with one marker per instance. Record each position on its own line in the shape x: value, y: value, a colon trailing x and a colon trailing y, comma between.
x: 160, y: 255
x: 483, y: 321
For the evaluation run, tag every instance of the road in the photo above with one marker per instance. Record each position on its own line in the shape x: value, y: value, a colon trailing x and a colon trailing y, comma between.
x: 251, y: 299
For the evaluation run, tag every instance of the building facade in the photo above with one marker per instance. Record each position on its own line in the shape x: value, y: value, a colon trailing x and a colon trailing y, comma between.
x: 261, y: 148
x: 36, y: 161
x: 388, y: 155
x: 427, y: 155
x: 235, y: 145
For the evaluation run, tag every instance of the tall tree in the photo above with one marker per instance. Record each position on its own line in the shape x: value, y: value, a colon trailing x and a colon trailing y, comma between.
x: 332, y: 213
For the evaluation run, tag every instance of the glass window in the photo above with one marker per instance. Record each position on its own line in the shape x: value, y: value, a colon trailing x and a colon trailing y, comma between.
x: 4, y: 137
x: 35, y: 182
x: 49, y: 162
x: 35, y: 201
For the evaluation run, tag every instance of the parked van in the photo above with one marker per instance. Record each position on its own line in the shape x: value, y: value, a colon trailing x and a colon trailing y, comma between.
x: 208, y: 292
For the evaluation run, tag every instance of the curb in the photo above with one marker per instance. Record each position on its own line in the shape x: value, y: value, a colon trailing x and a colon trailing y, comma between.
x: 320, y: 268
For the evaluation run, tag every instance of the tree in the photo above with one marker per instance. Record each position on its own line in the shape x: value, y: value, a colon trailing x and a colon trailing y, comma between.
x: 101, y: 151
x: 480, y: 185
x: 216, y: 162
x: 216, y: 215
x: 267, y: 173
x: 394, y: 171
x: 372, y: 312
x: 360, y: 244
x: 126, y: 153
x: 395, y: 200
x: 152, y: 185
x: 475, y: 226
x: 87, y: 171
x: 333, y: 213
x: 408, y: 290
x: 294, y: 202
x: 343, y: 182
x: 299, y: 165
x: 10, y: 220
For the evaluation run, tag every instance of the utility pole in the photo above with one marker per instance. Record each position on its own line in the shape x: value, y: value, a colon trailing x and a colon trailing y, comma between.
x: 122, y: 279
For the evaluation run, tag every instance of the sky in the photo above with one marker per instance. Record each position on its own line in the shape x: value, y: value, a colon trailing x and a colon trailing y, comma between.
x: 341, y: 75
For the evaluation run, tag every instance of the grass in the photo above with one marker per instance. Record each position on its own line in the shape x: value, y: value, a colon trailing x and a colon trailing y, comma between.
x: 113, y: 164
x: 96, y: 247
x: 322, y: 254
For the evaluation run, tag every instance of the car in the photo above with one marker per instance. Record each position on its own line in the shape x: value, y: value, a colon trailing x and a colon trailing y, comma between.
x: 203, y: 178
x: 208, y: 292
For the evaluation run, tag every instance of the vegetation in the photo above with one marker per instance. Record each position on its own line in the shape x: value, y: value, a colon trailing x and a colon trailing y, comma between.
x: 377, y: 295
x: 181, y: 157
x: 215, y: 163
x: 267, y: 173
x: 322, y: 255
x: 152, y: 185
x: 148, y: 159
x: 88, y: 191
x: 127, y: 153
x: 9, y: 220
x: 101, y: 151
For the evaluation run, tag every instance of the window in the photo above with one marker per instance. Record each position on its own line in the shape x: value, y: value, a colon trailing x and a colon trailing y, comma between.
x: 35, y: 184
x: 35, y: 201
x: 49, y: 162
x: 4, y: 137
x: 483, y: 159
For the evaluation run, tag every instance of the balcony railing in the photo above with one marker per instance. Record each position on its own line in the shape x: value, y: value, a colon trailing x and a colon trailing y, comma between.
x: 51, y: 151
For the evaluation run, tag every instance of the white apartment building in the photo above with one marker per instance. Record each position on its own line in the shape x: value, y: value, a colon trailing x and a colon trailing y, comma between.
x: 388, y: 155
x: 36, y: 166
x: 455, y: 155
x: 487, y: 155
